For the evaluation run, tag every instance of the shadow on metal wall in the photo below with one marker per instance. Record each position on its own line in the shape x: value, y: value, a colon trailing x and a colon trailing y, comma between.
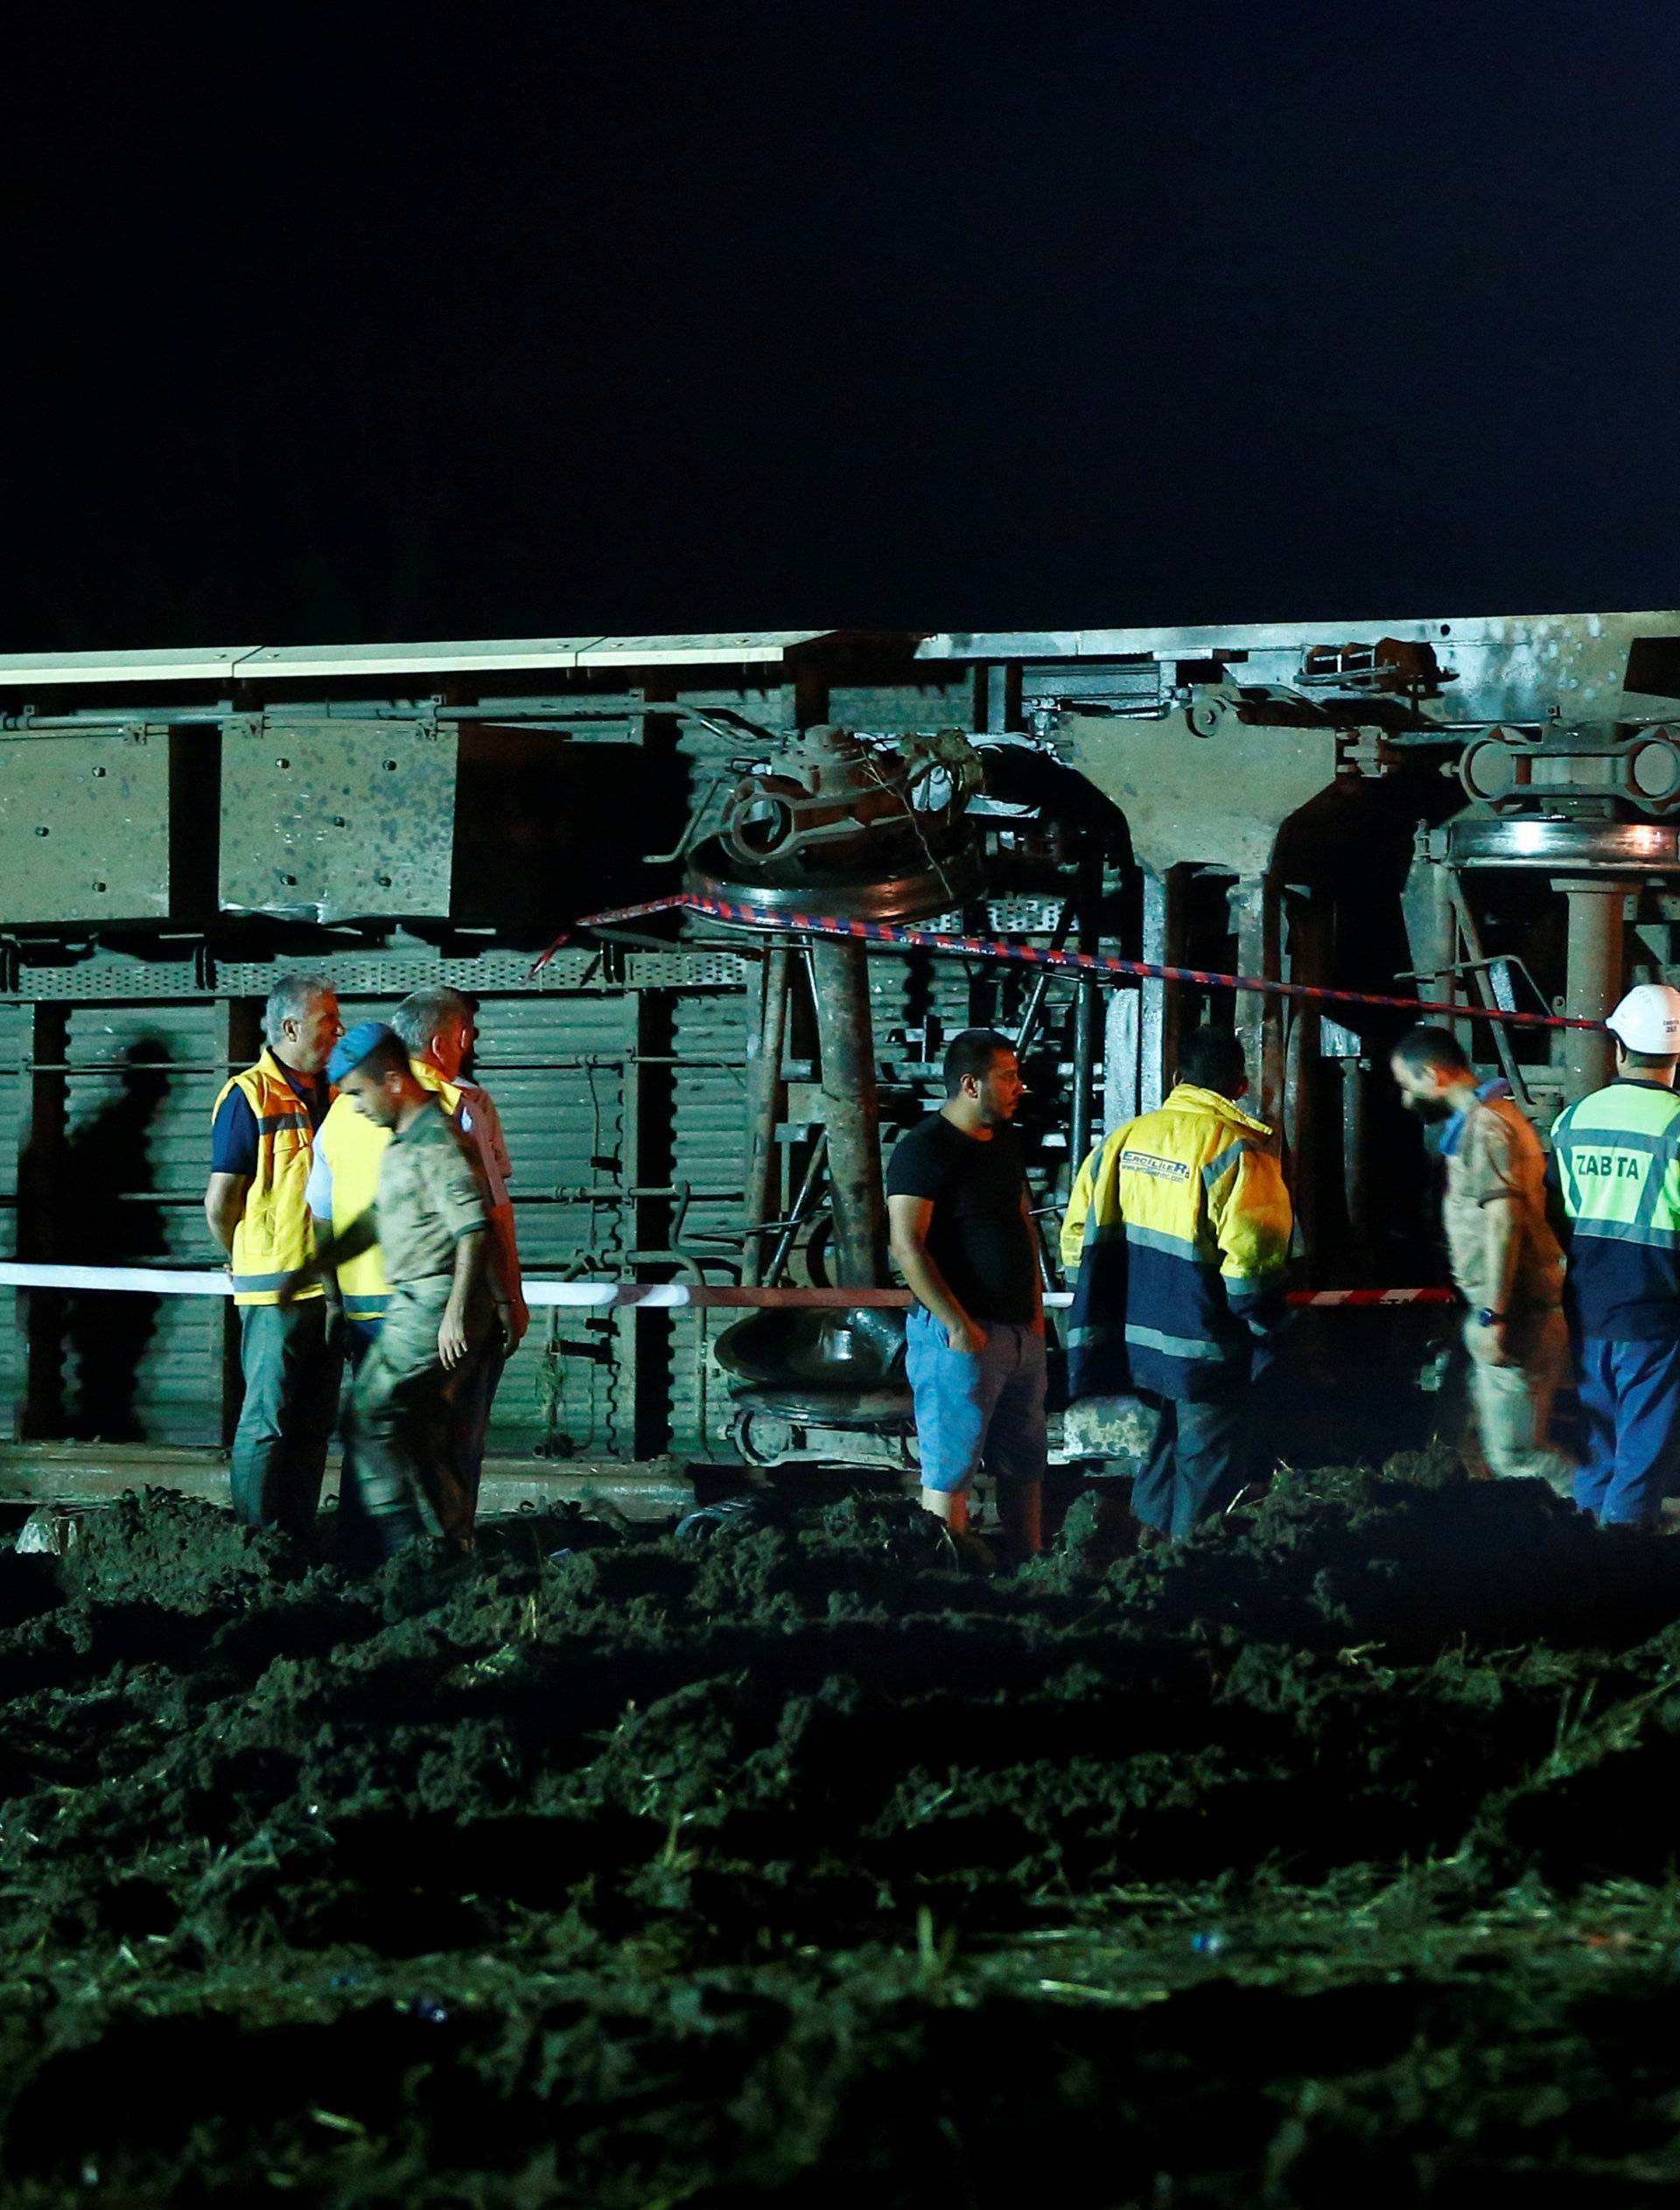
x: 104, y: 1219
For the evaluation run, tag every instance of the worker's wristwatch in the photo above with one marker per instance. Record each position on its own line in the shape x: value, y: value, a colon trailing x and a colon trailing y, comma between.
x: 1488, y: 1319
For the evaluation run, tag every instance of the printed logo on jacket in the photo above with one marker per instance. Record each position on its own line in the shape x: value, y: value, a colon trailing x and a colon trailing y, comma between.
x: 1165, y: 1170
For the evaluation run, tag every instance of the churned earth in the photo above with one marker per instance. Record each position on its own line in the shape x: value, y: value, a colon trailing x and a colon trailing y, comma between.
x: 1329, y: 1857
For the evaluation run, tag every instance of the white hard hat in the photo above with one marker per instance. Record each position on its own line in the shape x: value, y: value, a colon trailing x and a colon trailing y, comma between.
x: 1648, y: 1020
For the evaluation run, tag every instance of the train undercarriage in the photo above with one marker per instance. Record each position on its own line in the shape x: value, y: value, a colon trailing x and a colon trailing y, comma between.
x: 1474, y: 813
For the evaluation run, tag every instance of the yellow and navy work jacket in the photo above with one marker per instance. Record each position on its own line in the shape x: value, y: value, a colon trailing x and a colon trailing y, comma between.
x: 1180, y: 1226
x: 275, y: 1234
x: 345, y: 1182
x: 1616, y: 1161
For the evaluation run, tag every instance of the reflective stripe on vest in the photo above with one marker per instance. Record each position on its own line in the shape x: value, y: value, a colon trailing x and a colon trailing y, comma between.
x: 1617, y: 1155
x: 274, y: 1235
x: 352, y: 1146
x: 1179, y: 1225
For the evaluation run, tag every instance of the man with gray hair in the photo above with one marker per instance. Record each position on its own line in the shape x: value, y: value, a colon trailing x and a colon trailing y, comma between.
x: 263, y: 1136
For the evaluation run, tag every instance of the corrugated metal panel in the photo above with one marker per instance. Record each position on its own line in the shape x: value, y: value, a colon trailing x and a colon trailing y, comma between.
x: 555, y: 1068
x: 904, y: 994
x: 123, y: 980
x: 13, y: 1030
x: 776, y: 707
x: 708, y: 1123
x: 138, y: 1099
x: 896, y: 708
x: 138, y: 1109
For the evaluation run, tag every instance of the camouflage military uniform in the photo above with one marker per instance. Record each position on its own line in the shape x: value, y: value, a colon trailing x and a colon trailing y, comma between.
x: 403, y: 1486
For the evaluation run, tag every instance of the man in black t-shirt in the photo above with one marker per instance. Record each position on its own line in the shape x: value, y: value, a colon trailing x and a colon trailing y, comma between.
x: 963, y: 1239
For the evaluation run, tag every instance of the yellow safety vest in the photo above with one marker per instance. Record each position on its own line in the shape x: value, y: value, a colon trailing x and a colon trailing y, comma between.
x: 275, y: 1234
x: 352, y: 1146
x: 1618, y: 1159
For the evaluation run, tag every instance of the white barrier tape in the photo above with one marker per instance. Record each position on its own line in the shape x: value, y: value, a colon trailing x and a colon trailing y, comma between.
x: 159, y: 1280
x: 150, y: 1281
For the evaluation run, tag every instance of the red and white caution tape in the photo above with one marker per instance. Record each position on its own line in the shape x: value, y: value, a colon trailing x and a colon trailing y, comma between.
x: 602, y: 1296
x: 997, y: 948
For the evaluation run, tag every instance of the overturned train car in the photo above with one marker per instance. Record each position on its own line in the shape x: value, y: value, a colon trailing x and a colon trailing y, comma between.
x: 1482, y: 812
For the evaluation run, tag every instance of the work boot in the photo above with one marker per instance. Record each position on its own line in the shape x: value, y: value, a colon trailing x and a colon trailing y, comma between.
x: 1011, y: 1552
x: 1099, y: 1529
x: 967, y: 1551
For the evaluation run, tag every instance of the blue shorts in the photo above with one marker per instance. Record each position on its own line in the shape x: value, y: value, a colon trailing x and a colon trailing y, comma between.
x: 976, y: 1409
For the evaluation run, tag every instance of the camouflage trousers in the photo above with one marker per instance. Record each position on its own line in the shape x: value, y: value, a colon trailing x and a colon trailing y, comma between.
x: 401, y: 1480
x: 1514, y: 1403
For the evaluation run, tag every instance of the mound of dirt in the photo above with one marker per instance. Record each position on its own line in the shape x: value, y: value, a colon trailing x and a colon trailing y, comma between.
x: 792, y: 1856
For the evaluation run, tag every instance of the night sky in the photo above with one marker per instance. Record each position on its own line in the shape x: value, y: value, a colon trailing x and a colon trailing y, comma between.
x: 471, y: 322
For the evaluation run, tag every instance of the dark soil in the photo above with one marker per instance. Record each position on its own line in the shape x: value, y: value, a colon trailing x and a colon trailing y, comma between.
x: 1328, y: 1858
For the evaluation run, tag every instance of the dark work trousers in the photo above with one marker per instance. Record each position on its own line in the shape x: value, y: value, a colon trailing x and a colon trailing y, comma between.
x: 1196, y: 1464
x: 356, y: 1537
x: 1630, y: 1404
x: 290, y: 1361
x: 400, y: 1427
x: 472, y: 1393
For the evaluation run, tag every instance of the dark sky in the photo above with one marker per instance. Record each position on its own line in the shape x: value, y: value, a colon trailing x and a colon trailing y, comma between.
x: 465, y: 322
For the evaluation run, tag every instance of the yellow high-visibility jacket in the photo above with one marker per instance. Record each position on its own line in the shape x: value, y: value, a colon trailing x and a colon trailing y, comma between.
x: 275, y: 1234
x: 345, y: 1181
x: 1179, y: 1226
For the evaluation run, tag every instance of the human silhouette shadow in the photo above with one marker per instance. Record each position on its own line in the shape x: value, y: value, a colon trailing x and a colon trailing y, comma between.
x: 107, y: 1164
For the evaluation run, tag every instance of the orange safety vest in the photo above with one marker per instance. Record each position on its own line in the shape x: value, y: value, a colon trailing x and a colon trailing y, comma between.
x: 275, y: 1234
